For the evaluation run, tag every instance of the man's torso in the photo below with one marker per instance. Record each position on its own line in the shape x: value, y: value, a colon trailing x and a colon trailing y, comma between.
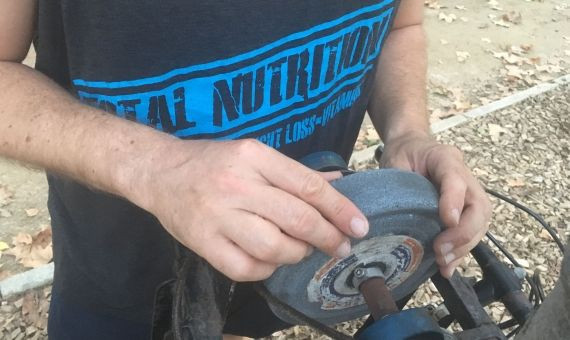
x: 296, y: 75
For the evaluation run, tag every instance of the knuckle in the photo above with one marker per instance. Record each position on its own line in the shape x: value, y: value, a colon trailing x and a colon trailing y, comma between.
x: 313, y: 186
x: 265, y: 273
x: 248, y: 146
x: 298, y: 256
x: 464, y: 237
x: 331, y: 242
x: 305, y: 223
x: 242, y: 270
x: 268, y: 249
x: 455, y: 152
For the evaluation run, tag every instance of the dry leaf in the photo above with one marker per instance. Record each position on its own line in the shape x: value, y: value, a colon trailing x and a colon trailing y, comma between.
x: 496, y: 131
x: 516, y: 182
x: 515, y: 71
x: 549, y: 68
x: 449, y: 18
x: 494, y: 5
x: 501, y: 23
x: 524, y: 263
x: 33, y: 251
x: 31, y: 309
x: 462, y: 104
x: 526, y: 47
x: 509, y: 58
x: 372, y: 134
x: 3, y: 246
x: 545, y: 235
x: 433, y: 4
x: 22, y: 239
x: 32, y: 212
x: 462, y: 56
x: 512, y: 17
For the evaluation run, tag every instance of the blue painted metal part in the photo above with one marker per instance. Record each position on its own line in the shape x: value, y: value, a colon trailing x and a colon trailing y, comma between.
x: 408, y: 324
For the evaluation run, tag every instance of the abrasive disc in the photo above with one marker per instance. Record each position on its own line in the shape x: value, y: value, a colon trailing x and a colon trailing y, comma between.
x: 402, y: 208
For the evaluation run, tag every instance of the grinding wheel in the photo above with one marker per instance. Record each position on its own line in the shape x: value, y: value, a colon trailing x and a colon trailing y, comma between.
x: 402, y: 208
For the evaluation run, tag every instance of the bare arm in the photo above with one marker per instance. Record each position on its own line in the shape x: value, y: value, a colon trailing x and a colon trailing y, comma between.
x: 398, y: 111
x: 247, y: 201
x: 44, y: 125
x: 398, y: 106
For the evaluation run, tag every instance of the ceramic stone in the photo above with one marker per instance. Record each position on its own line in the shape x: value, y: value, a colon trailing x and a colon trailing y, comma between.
x: 402, y: 208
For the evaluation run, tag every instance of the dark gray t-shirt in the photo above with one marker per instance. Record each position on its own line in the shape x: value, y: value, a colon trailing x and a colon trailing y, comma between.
x: 296, y: 75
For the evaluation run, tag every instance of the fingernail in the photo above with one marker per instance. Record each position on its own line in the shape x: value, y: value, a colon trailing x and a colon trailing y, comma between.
x: 455, y: 214
x: 309, y: 251
x: 446, y: 248
x: 358, y: 226
x: 449, y: 258
x: 343, y: 250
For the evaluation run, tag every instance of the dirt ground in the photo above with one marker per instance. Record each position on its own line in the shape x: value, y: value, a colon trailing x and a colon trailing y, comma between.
x: 479, y: 51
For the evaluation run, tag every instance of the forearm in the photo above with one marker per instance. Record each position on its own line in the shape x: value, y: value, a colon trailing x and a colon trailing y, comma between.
x: 398, y: 105
x: 44, y: 125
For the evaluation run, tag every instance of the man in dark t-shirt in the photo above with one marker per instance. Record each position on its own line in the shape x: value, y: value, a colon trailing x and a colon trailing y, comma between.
x: 161, y: 119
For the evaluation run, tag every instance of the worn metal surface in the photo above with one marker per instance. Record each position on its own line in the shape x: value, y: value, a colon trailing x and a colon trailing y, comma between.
x: 363, y: 274
x: 402, y: 208
x: 378, y: 298
x: 504, y: 283
x: 463, y: 303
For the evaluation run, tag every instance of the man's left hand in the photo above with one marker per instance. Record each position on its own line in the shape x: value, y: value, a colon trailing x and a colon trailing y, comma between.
x: 463, y: 206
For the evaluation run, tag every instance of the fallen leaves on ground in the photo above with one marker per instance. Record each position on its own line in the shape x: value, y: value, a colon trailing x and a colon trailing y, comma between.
x: 462, y: 56
x: 450, y: 101
x: 366, y: 137
x: 25, y: 317
x: 32, y: 212
x: 32, y: 251
x: 512, y: 17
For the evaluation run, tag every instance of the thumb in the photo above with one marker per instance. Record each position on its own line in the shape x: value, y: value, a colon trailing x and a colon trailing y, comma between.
x: 452, y: 199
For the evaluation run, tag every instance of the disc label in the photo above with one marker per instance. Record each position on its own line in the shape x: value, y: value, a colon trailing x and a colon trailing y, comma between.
x: 400, y: 255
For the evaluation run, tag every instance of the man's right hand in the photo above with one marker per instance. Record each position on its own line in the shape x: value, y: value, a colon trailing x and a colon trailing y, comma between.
x: 245, y: 207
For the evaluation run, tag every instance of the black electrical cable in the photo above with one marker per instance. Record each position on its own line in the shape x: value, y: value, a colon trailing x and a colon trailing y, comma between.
x: 534, y: 281
x: 536, y: 295
x: 532, y: 213
x: 503, y: 250
x: 297, y: 316
x: 508, y: 324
